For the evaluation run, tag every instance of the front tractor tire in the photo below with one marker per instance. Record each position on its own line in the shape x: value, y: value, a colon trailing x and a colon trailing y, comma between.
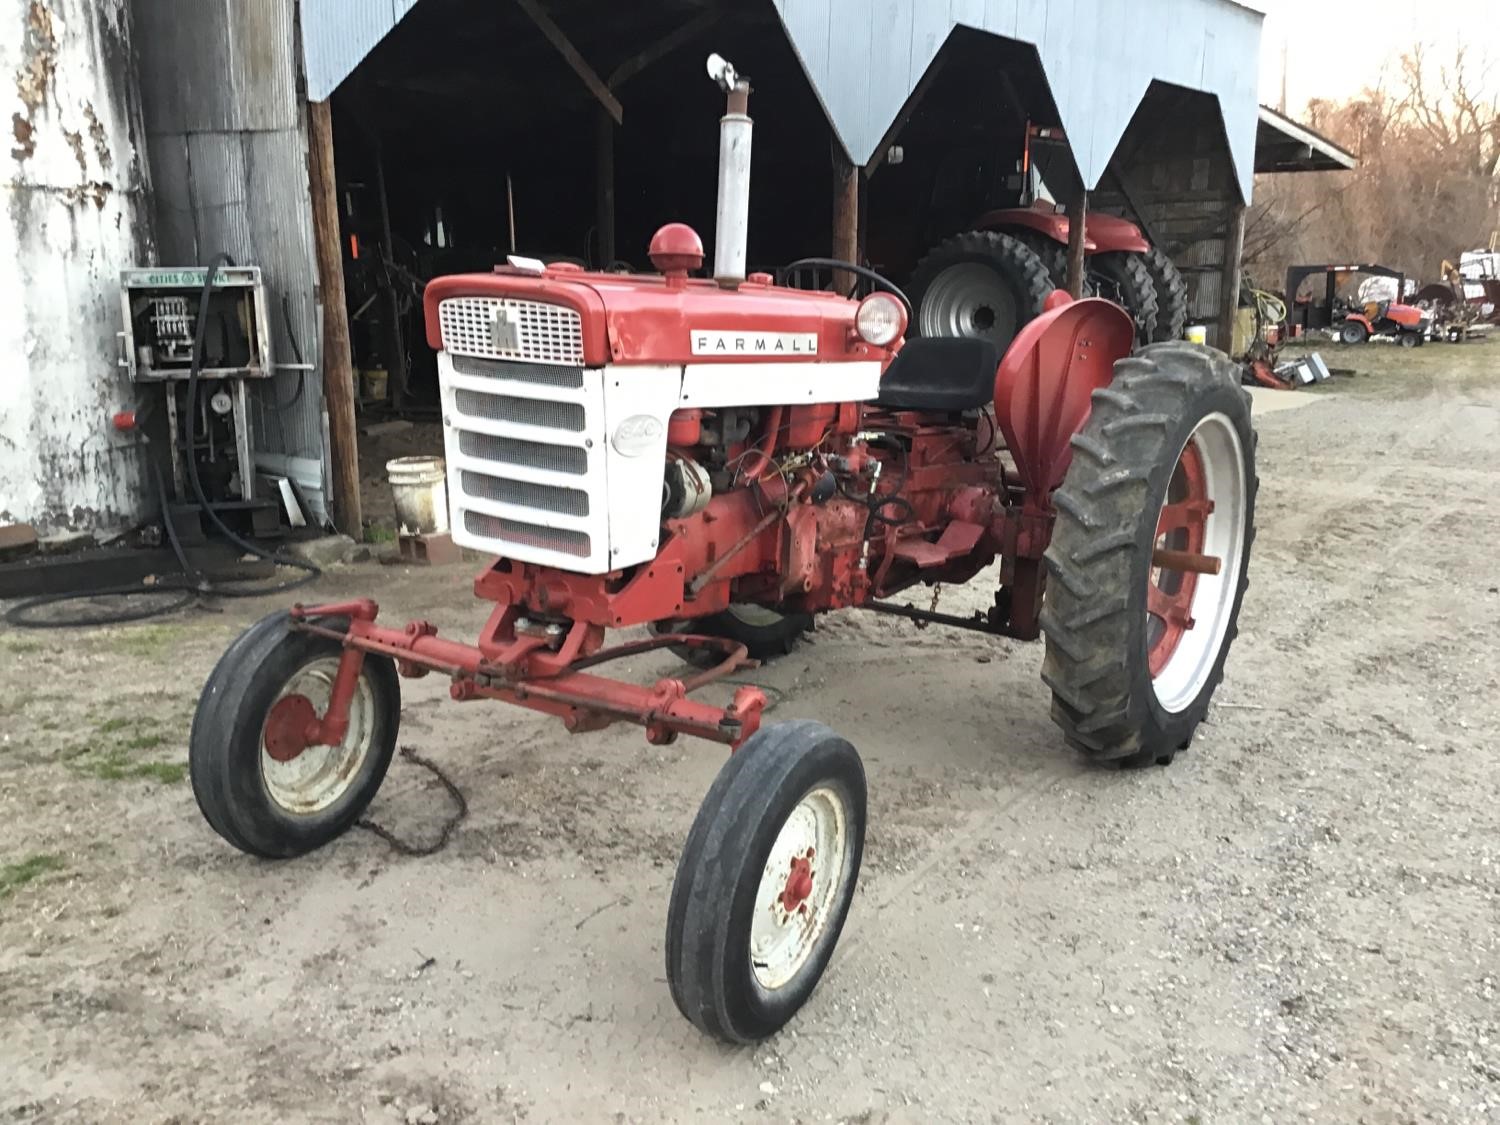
x: 1162, y: 481
x: 765, y: 881
x: 268, y: 799
x: 767, y: 634
x: 983, y: 284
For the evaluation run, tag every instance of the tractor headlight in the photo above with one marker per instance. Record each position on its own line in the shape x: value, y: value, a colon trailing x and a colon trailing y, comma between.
x: 880, y: 320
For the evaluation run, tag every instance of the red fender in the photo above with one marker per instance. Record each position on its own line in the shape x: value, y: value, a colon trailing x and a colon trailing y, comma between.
x: 1045, y: 383
x: 1361, y: 319
x: 1102, y: 234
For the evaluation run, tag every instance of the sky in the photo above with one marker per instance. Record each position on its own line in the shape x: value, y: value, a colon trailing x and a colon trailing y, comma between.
x: 1336, y: 49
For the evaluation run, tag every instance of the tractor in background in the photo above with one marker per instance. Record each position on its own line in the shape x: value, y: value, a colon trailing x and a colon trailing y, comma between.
x: 990, y: 281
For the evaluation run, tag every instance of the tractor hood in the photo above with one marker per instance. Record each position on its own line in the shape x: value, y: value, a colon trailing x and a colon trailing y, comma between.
x: 651, y: 319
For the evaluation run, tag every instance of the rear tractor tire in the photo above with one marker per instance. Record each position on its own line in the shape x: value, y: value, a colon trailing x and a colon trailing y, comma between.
x: 982, y: 284
x: 277, y: 801
x: 1161, y: 483
x: 765, y: 881
x: 1171, y: 296
x: 1125, y: 276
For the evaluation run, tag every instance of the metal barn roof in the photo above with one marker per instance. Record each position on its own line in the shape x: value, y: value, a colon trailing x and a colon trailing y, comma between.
x: 1284, y: 145
x: 865, y: 58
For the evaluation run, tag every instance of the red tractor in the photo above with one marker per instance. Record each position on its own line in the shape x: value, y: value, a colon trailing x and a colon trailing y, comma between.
x: 992, y: 280
x: 714, y: 462
x: 1407, y: 323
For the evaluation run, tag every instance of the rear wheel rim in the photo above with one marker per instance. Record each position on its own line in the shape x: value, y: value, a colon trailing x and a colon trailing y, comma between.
x: 319, y: 776
x: 969, y: 299
x: 1188, y: 615
x: 800, y: 887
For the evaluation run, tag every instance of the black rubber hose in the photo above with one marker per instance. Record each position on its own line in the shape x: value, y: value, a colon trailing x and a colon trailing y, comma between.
x: 225, y: 590
x: 865, y: 272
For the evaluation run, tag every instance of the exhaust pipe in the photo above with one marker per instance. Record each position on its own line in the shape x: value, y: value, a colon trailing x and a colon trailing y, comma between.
x: 732, y: 233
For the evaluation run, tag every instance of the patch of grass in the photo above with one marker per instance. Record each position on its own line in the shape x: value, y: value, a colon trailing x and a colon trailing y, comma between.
x: 14, y: 704
x: 21, y: 646
x: 13, y: 875
x: 116, y: 765
x: 143, y: 742
x: 110, y: 726
x: 148, y: 642
x: 375, y: 533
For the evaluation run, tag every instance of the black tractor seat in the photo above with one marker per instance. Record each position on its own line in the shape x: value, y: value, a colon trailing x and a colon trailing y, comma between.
x: 941, y: 375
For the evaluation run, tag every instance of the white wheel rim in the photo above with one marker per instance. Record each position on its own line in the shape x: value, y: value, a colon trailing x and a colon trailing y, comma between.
x: 1178, y: 684
x: 320, y: 775
x: 814, y: 835
x: 969, y: 299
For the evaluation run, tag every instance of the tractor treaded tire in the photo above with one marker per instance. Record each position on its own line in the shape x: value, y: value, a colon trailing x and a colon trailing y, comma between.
x: 1013, y: 260
x: 1097, y: 563
x: 1054, y: 255
x: 1137, y: 290
x: 1171, y: 296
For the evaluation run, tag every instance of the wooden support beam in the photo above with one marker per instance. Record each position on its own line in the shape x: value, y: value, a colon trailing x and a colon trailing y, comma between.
x: 684, y: 33
x: 1077, y: 226
x: 337, y: 356
x: 845, y: 216
x: 566, y: 49
x: 1229, y: 285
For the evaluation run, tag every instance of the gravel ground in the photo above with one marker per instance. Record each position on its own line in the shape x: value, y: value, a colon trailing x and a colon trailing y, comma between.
x: 1299, y: 920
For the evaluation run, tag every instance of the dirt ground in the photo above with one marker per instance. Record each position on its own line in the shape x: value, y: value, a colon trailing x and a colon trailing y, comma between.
x: 1299, y: 920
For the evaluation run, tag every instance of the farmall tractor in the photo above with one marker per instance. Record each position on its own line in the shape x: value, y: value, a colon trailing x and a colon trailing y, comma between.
x: 711, y: 463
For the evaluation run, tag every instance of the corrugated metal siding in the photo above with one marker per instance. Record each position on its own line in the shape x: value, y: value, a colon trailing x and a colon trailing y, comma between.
x: 1099, y: 57
x: 227, y: 138
x: 337, y: 34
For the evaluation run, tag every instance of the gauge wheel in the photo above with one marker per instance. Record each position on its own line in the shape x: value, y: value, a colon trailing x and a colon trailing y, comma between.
x: 1148, y: 563
x: 258, y: 783
x: 765, y: 881
x: 983, y: 285
x: 766, y: 633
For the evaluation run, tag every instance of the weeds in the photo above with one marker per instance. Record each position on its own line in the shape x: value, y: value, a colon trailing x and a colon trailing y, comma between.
x: 13, y: 875
x: 117, y: 765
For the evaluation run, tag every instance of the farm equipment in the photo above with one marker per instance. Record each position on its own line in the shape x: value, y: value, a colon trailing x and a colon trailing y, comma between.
x: 1407, y: 323
x: 990, y: 281
x: 719, y: 460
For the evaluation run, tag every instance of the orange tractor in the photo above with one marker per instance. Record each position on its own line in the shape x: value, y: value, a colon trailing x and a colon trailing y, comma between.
x: 714, y: 462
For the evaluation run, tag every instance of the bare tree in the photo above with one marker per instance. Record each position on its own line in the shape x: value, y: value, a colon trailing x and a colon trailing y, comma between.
x: 1428, y: 184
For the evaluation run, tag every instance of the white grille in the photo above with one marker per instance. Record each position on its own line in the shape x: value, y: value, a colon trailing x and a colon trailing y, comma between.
x: 504, y: 328
x: 526, y: 472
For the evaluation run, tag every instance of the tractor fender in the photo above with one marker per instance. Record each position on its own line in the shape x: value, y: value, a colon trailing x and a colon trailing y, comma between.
x: 1045, y: 383
x: 1361, y: 319
x: 1049, y: 224
x: 1112, y: 234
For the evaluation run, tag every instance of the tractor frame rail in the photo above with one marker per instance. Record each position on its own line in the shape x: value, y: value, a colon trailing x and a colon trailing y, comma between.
x: 540, y: 666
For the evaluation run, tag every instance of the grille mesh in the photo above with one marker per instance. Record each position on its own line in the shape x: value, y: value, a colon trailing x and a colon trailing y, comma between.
x: 528, y: 454
x: 528, y: 535
x: 522, y: 411
x: 526, y: 494
x: 539, y: 374
x: 543, y: 333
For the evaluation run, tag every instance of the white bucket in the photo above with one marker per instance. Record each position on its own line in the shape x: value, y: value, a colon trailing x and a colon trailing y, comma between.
x: 1196, y: 334
x: 419, y: 486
